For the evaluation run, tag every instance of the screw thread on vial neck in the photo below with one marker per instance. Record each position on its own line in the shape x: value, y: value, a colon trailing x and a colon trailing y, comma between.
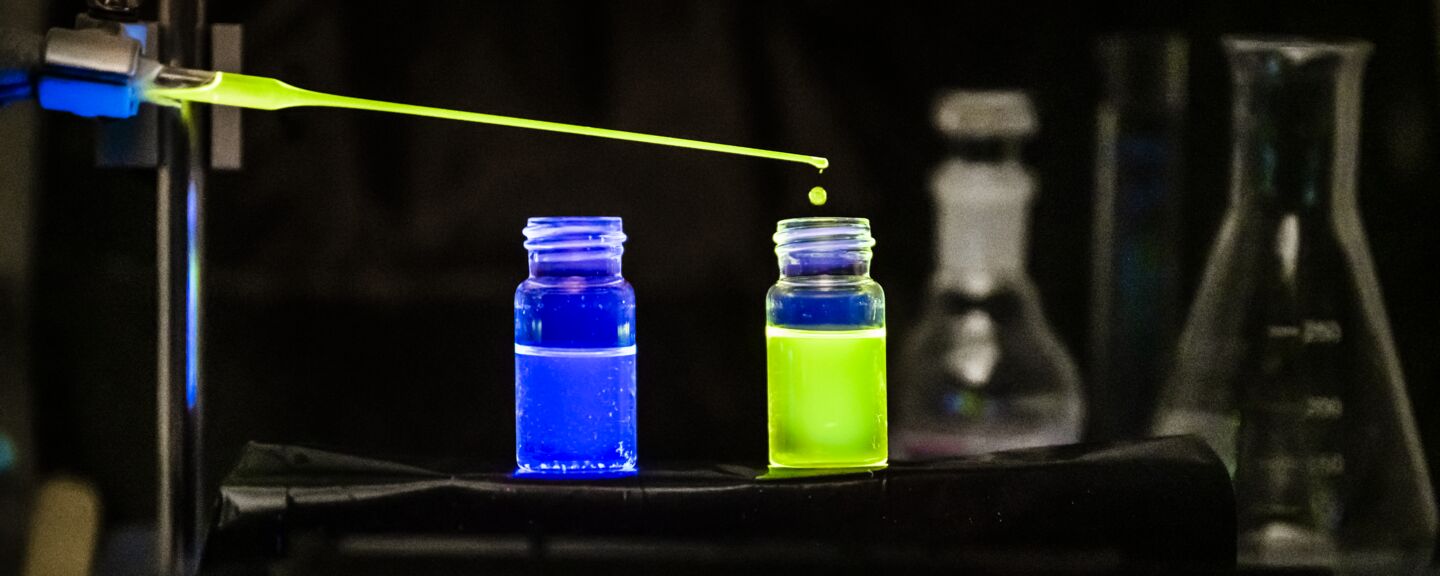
x: 824, y: 247
x: 589, y: 247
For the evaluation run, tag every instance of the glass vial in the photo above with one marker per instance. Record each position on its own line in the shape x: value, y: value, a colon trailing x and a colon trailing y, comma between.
x: 825, y: 343
x: 983, y: 370
x: 1286, y: 365
x: 575, y: 351
x: 1136, y: 303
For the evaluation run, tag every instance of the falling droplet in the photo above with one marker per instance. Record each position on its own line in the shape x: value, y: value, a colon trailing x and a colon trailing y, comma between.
x: 818, y: 196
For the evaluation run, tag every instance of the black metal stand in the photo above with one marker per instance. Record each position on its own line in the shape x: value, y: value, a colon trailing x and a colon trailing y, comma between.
x: 179, y: 238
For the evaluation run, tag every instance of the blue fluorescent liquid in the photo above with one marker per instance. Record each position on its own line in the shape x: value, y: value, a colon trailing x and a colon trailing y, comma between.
x: 839, y: 307
x: 575, y: 411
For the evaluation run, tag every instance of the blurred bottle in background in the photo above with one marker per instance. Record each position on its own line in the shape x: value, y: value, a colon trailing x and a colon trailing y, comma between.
x: 1136, y: 301
x: 983, y: 369
x: 1286, y: 365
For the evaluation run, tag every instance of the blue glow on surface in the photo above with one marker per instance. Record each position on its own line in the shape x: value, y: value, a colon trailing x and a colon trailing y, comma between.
x: 575, y: 353
x: 7, y: 453
x: 192, y: 297
x: 137, y: 30
x: 14, y: 87
x: 87, y: 98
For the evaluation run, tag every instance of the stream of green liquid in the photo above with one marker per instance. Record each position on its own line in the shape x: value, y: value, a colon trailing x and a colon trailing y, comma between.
x: 260, y: 93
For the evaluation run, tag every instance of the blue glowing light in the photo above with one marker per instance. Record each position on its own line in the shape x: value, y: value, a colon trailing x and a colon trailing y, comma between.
x: 575, y: 353
x: 87, y: 98
x: 7, y: 453
x: 192, y: 297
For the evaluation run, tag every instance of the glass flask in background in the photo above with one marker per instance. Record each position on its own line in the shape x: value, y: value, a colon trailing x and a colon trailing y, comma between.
x: 825, y: 348
x: 1286, y: 365
x: 983, y: 369
x: 1136, y: 301
x: 575, y: 352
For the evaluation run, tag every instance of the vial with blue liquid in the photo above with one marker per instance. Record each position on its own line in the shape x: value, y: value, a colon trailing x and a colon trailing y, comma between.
x: 575, y: 352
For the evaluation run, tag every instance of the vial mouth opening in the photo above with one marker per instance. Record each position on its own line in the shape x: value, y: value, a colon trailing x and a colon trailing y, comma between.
x: 823, y: 234
x: 574, y: 233
x: 1297, y: 49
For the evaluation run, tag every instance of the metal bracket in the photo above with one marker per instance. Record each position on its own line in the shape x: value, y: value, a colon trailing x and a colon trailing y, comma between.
x: 134, y: 142
x: 226, y: 55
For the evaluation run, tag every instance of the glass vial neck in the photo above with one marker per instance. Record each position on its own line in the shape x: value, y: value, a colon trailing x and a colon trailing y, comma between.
x: 815, y: 247
x: 1296, y: 121
x: 586, y: 247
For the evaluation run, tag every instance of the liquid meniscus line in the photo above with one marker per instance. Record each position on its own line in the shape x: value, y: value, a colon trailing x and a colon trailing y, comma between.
x: 261, y: 93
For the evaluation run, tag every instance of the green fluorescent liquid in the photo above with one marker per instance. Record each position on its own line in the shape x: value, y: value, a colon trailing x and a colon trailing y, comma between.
x: 827, y: 397
x: 818, y: 196
x: 262, y: 93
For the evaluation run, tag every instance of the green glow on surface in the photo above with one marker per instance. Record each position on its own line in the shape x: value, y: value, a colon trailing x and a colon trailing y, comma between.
x: 826, y: 397
x: 783, y: 473
x: 260, y: 93
x: 818, y: 196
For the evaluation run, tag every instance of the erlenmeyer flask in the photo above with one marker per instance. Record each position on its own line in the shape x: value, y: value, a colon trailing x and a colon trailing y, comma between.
x: 984, y: 371
x: 1286, y: 365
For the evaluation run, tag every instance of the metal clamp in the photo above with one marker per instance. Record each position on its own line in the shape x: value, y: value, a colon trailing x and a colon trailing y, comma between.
x: 133, y: 142
x: 89, y: 73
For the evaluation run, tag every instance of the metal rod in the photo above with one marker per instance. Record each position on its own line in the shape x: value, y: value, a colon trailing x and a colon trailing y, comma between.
x: 179, y: 240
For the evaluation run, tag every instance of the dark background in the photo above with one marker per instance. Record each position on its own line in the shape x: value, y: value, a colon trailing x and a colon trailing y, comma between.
x: 361, y: 266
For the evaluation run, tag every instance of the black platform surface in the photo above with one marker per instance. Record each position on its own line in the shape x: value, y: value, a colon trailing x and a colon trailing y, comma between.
x: 1154, y: 506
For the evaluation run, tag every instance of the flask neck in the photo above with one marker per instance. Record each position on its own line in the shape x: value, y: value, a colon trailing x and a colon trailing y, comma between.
x: 828, y: 247
x: 1296, y: 116
x: 579, y: 247
x: 981, y: 229
x: 986, y: 150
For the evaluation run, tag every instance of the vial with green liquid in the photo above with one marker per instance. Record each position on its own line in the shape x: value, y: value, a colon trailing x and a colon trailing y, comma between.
x: 825, y: 342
